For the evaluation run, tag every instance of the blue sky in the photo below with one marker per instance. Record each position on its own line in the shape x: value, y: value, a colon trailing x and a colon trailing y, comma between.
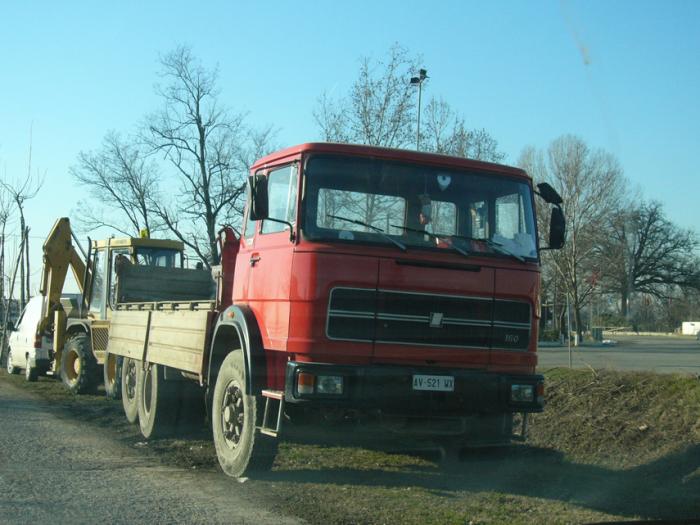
x: 74, y: 70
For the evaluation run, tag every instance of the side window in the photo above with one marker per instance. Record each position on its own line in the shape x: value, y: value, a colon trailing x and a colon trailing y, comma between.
x: 98, y: 284
x: 119, y: 256
x: 282, y: 197
x: 249, y: 229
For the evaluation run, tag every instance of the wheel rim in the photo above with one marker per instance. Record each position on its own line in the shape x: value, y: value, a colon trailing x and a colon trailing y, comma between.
x: 147, y: 390
x: 131, y: 379
x: 72, y: 366
x: 232, y: 415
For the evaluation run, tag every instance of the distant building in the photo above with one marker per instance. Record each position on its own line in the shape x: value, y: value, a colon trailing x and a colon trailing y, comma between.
x: 690, y: 327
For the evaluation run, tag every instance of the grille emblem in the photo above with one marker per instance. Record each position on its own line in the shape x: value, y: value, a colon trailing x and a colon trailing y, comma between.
x: 435, y: 319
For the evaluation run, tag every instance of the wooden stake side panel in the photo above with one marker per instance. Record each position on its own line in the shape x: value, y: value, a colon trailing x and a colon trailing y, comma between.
x: 177, y: 339
x: 128, y: 332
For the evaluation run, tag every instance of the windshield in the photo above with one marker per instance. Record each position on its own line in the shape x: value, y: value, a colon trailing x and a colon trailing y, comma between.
x: 422, y: 207
x: 158, y: 257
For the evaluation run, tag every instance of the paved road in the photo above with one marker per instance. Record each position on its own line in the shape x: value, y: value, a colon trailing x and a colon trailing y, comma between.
x: 653, y: 353
x: 56, y: 470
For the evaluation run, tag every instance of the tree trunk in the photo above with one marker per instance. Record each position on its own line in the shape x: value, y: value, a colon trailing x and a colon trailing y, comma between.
x: 26, y: 257
x: 22, y: 298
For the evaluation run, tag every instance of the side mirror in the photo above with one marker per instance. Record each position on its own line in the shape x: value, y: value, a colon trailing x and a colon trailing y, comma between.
x: 557, y: 229
x: 549, y: 194
x: 257, y: 197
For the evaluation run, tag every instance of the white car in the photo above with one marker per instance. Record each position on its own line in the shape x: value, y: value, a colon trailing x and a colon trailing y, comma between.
x: 26, y: 349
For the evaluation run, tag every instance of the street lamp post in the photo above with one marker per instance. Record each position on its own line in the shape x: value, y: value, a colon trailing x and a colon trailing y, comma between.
x: 422, y: 75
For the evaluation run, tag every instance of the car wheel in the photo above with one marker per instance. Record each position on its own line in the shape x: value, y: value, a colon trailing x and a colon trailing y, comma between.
x: 11, y: 369
x: 30, y: 372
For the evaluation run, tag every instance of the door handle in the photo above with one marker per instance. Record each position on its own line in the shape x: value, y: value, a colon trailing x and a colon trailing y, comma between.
x: 253, y: 259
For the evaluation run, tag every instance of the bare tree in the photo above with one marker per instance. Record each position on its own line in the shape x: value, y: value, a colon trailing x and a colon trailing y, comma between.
x: 592, y: 186
x: 380, y: 107
x: 204, y: 144
x: 124, y: 183
x: 19, y: 193
x: 446, y: 132
x: 380, y: 110
x: 645, y: 252
x: 5, y: 213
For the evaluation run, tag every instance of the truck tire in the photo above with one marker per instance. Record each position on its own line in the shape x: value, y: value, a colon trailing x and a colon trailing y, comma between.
x: 79, y: 371
x: 112, y: 372
x: 239, y: 447
x: 158, y: 402
x: 130, y: 379
x: 11, y: 369
x: 31, y: 373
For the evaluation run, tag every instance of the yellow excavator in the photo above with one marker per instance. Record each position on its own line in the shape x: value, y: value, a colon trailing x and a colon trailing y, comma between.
x: 79, y: 348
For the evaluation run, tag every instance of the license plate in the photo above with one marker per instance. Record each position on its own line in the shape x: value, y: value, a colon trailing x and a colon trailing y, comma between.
x: 434, y: 383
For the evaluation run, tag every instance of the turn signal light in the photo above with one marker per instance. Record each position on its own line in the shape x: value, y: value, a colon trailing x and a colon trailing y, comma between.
x: 305, y: 383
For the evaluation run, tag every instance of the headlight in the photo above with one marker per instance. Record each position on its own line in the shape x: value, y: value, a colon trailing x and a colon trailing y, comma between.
x: 522, y: 393
x: 329, y: 385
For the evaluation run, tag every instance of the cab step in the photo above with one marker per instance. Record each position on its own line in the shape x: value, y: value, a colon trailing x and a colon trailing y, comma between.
x: 273, y: 415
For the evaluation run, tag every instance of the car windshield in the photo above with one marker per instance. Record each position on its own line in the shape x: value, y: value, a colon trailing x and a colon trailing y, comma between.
x: 423, y: 207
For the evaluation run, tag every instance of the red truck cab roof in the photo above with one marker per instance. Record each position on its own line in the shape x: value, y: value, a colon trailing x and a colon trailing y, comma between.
x: 401, y: 155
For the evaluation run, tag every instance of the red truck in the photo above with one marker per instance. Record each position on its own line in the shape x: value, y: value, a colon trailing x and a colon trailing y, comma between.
x: 395, y: 282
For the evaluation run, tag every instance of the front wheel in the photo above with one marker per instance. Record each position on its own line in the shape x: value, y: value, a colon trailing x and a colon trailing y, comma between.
x: 11, y: 369
x: 239, y: 447
x: 78, y: 366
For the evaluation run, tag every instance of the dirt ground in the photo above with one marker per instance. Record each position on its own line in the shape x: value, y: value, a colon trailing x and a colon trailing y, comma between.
x: 610, y: 446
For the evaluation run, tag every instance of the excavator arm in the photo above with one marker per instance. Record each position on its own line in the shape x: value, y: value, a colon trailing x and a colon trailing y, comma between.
x: 59, y: 255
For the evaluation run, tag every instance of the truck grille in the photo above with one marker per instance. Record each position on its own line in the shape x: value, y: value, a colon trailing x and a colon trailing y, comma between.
x: 387, y: 316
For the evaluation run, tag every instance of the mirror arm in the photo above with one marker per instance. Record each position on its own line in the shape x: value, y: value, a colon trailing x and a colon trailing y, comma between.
x: 292, y: 236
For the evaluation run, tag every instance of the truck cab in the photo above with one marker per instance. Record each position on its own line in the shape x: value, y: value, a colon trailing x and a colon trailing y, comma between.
x: 394, y: 280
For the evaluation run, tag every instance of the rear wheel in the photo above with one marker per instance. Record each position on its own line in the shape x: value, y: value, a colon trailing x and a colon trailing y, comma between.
x: 112, y: 371
x: 31, y: 373
x: 240, y: 448
x: 78, y: 365
x: 157, y: 403
x: 130, y: 378
x: 11, y: 369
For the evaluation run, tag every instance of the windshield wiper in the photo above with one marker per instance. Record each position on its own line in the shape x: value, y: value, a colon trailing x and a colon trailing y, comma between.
x: 495, y: 246
x: 432, y: 236
x: 401, y: 246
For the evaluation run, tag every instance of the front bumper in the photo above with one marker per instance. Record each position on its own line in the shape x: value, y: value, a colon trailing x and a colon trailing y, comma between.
x: 390, y: 388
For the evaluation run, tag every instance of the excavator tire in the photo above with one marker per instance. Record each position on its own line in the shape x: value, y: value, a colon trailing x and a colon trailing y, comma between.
x: 112, y: 371
x: 79, y: 370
